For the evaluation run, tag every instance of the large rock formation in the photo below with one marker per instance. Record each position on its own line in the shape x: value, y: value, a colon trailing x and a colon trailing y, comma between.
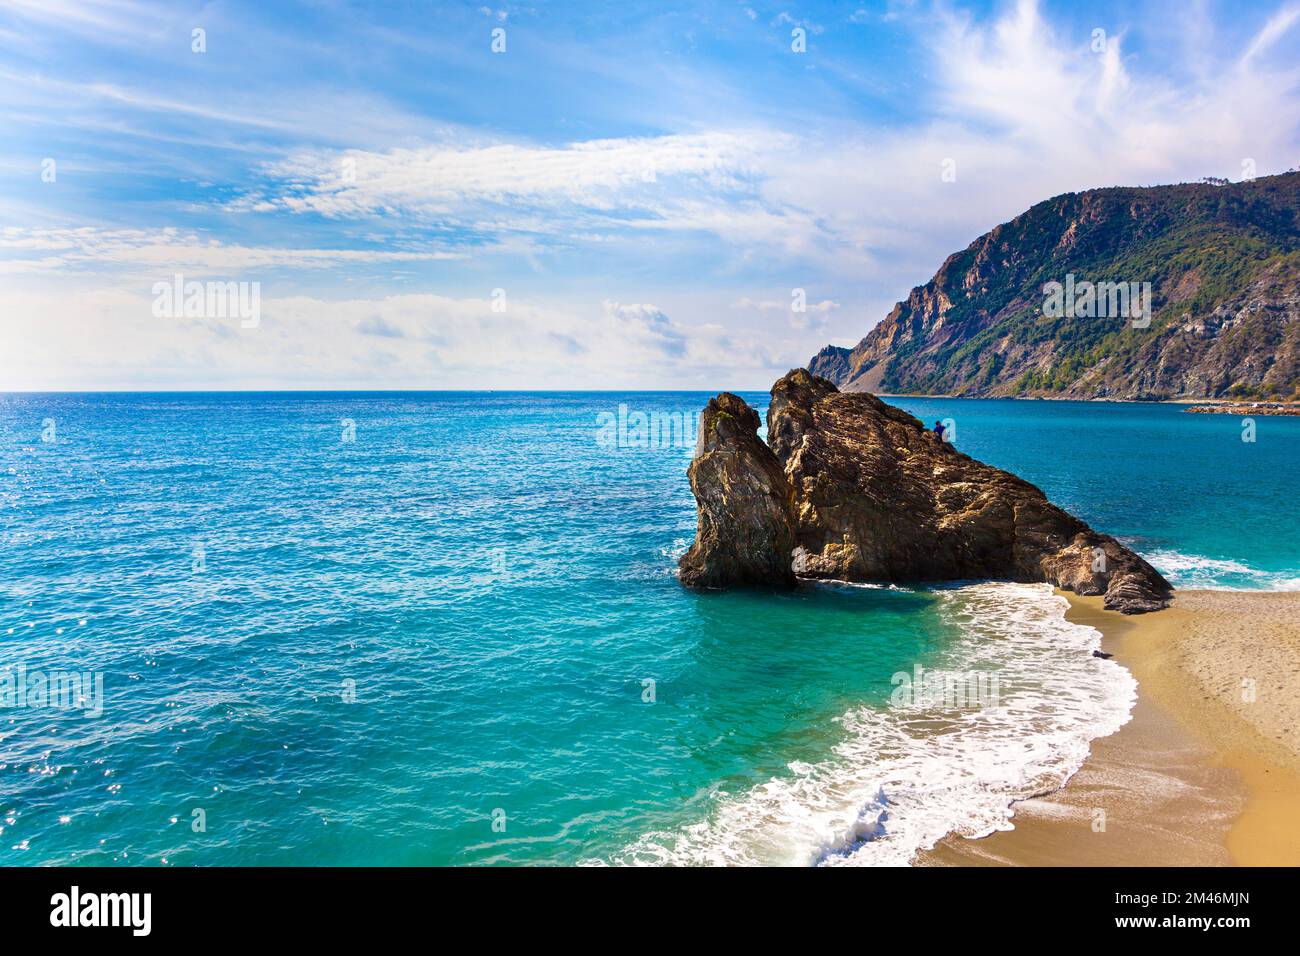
x: 853, y: 489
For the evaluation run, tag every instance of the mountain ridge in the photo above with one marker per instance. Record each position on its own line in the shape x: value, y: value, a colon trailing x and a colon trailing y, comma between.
x: 1220, y: 263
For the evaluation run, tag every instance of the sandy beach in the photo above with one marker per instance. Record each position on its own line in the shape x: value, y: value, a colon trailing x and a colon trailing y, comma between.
x: 1207, y: 772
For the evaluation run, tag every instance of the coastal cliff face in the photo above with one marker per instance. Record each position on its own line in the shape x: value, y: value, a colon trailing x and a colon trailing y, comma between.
x: 1223, y: 263
x: 851, y: 488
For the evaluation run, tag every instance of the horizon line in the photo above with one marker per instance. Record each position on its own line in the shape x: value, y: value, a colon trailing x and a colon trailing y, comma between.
x: 353, y: 391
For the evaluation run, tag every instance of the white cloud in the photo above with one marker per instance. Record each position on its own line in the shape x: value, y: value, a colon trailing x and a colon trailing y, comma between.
x: 812, y: 316
x: 1277, y: 26
x: 25, y: 250
x: 601, y: 176
x: 86, y: 16
x: 785, y: 19
x: 411, y: 341
x: 593, y: 191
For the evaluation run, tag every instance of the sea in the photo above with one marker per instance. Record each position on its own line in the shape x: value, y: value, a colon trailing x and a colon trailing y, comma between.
x: 400, y: 628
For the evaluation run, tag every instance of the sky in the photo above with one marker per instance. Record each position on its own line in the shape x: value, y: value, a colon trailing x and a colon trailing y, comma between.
x: 556, y: 195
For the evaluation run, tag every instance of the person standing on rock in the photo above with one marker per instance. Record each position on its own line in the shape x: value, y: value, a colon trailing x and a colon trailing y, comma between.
x: 939, y: 430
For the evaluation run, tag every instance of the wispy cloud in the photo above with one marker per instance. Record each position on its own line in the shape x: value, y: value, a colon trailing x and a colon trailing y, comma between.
x: 153, y: 252
x: 115, y: 17
x: 613, y: 177
x: 415, y: 341
x: 1277, y: 26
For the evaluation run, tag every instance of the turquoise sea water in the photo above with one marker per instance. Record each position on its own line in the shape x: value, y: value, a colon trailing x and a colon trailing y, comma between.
x: 453, y: 635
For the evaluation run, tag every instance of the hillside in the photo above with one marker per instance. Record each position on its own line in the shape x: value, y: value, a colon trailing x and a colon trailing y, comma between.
x: 1223, y: 263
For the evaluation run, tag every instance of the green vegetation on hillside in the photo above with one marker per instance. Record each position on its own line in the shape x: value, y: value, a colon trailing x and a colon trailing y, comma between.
x: 1223, y: 263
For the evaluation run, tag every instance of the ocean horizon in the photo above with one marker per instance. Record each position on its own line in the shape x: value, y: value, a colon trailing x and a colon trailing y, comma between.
x: 407, y: 628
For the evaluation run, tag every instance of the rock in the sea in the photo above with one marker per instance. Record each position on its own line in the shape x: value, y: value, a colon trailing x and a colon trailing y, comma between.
x: 746, y: 519
x: 854, y: 489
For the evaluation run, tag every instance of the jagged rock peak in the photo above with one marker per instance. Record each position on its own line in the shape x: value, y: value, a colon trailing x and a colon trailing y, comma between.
x: 745, y: 532
x: 855, y: 489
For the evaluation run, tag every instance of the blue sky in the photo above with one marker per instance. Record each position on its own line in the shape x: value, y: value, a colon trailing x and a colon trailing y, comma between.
x: 646, y: 182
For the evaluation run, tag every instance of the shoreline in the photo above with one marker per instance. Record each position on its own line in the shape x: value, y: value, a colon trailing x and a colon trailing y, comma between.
x: 1262, y: 406
x: 1191, y: 402
x: 1276, y: 409
x: 1207, y: 770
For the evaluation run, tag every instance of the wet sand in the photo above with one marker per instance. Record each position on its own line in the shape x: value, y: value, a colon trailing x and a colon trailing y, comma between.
x: 1207, y: 772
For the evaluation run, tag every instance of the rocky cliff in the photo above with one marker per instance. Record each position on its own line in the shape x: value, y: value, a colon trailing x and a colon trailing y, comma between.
x: 848, y: 487
x: 1223, y: 267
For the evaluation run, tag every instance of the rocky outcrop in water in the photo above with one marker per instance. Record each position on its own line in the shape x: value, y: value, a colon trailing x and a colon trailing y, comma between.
x: 850, y: 488
x: 746, y: 511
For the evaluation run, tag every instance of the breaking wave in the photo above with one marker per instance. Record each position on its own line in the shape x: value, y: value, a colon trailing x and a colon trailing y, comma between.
x: 904, y: 777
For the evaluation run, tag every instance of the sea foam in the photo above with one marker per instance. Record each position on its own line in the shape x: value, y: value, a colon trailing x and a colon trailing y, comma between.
x: 902, y: 778
x: 1219, y: 574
